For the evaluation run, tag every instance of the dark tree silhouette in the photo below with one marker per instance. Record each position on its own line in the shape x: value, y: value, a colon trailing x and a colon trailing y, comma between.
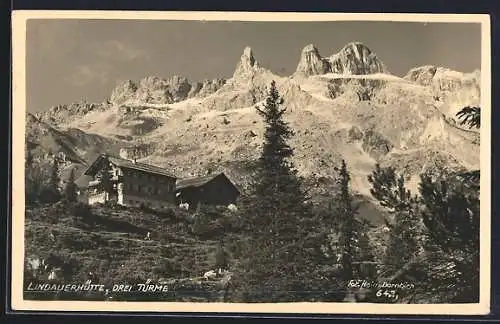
x: 389, y: 189
x: 451, y: 215
x: 279, y: 261
x: 349, y: 227
x: 70, y: 191
x: 50, y: 192
x: 470, y: 116
x: 106, y: 183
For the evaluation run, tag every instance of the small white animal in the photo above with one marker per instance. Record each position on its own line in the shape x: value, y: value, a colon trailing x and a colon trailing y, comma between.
x: 210, y: 275
x: 232, y: 207
x: 386, y: 229
x: 148, y: 236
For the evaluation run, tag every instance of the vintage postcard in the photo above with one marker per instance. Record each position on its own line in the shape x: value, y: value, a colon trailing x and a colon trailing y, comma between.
x: 251, y: 162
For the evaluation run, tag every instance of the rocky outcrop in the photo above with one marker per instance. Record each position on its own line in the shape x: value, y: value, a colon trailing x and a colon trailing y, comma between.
x: 154, y: 89
x: 179, y: 88
x: 376, y: 144
x: 232, y: 100
x: 311, y: 62
x: 452, y: 90
x: 357, y: 89
x: 205, y: 88
x: 123, y: 92
x: 247, y: 65
x: 62, y: 114
x: 422, y: 75
x: 372, y: 142
x: 442, y: 79
x: 354, y: 58
x: 75, y: 145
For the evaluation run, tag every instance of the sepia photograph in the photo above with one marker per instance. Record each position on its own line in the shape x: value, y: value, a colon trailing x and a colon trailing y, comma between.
x: 211, y: 160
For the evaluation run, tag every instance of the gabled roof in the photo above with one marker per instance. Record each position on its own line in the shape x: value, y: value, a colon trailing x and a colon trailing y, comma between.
x: 124, y: 163
x: 83, y: 181
x: 198, y: 181
x: 195, y: 181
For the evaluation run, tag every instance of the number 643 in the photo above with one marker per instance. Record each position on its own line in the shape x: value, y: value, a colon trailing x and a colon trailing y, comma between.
x: 386, y: 293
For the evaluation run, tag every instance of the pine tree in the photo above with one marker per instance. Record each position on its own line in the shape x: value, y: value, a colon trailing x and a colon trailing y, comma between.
x: 52, y: 193
x: 70, y: 191
x: 451, y: 215
x: 31, y: 187
x: 34, y: 181
x: 29, y: 158
x: 389, y: 189
x: 350, y: 228
x: 470, y: 116
x: 106, y: 183
x: 365, y: 250
x: 280, y: 263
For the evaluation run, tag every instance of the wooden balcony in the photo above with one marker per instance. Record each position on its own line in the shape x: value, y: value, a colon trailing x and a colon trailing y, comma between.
x: 93, y: 183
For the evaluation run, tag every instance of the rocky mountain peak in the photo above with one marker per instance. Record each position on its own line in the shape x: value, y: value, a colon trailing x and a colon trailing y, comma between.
x: 310, y: 48
x: 356, y: 58
x: 422, y: 75
x: 247, y: 56
x: 353, y: 58
x: 247, y: 63
x: 311, y: 62
x: 123, y: 92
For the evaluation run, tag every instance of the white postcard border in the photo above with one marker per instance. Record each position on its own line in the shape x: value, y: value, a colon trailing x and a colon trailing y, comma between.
x: 19, y: 21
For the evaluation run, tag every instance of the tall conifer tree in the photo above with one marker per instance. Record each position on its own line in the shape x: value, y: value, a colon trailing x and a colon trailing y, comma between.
x: 53, y: 192
x: 70, y: 191
x: 451, y: 213
x: 279, y: 264
x: 106, y: 183
x: 353, y: 242
x: 389, y: 189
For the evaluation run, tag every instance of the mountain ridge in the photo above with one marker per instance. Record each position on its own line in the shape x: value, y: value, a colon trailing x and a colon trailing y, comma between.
x: 359, y: 111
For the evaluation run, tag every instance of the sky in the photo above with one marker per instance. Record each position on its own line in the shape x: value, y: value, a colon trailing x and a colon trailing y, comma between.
x: 73, y: 60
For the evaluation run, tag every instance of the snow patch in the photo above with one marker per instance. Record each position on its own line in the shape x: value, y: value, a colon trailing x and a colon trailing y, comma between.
x: 374, y: 76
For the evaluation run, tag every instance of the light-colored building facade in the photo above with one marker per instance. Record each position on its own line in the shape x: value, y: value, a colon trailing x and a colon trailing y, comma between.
x: 134, y: 184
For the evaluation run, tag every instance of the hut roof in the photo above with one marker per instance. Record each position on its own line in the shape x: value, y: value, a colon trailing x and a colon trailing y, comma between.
x: 83, y: 181
x: 128, y: 164
x: 196, y: 181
